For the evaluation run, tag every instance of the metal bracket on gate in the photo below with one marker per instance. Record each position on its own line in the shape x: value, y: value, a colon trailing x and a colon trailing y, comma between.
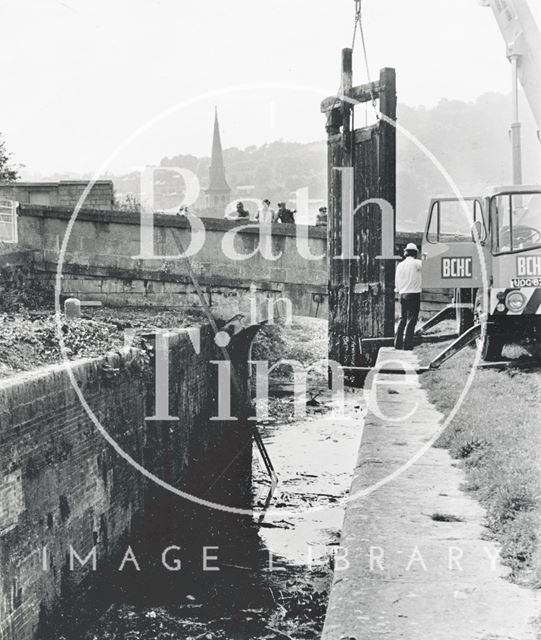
x: 445, y: 314
x: 469, y: 336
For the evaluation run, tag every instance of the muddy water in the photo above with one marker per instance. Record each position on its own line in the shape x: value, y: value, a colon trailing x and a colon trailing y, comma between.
x: 275, y: 574
x: 314, y: 459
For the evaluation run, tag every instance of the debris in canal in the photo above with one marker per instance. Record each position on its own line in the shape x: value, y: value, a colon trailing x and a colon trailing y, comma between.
x: 252, y: 597
x: 294, y: 609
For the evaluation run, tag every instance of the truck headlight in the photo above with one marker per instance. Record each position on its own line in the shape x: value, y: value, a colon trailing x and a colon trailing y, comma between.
x: 515, y: 301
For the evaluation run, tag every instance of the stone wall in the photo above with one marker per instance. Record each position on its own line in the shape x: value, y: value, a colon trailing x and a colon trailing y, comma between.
x: 21, y: 284
x: 64, y: 193
x: 62, y: 484
x: 100, y: 261
x: 16, y: 267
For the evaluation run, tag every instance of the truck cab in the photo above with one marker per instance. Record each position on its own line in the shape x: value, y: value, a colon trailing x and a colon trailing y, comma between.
x: 488, y: 251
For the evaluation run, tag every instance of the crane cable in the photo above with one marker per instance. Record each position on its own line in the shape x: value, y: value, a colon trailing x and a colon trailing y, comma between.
x: 358, y: 17
x: 339, y: 96
x: 359, y: 25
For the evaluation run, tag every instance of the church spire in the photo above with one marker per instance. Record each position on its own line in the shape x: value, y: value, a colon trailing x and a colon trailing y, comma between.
x: 217, y: 180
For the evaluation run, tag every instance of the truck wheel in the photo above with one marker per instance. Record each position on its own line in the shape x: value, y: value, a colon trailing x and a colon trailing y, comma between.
x: 464, y: 317
x: 491, y: 346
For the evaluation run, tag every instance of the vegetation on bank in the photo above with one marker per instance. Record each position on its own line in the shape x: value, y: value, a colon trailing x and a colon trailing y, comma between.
x: 29, y: 339
x: 304, y: 341
x: 496, y: 437
x: 29, y: 336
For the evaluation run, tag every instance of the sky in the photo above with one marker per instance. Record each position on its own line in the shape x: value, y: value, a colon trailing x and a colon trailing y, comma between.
x: 114, y: 85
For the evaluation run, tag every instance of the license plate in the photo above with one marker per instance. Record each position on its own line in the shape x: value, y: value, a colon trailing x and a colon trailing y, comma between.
x: 526, y: 282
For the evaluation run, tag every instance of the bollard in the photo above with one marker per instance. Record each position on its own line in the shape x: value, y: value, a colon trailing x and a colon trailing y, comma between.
x: 72, y: 308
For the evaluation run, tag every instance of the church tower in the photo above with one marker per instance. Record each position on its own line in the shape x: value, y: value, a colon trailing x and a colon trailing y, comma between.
x: 218, y: 192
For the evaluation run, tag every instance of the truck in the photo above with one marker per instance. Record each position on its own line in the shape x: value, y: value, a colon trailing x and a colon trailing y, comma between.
x: 488, y: 251
x: 487, y: 248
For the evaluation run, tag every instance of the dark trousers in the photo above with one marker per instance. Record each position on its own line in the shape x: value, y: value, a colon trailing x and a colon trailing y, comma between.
x: 410, y: 304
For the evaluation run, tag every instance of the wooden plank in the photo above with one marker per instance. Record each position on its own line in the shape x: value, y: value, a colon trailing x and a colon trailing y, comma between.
x: 365, y: 134
x: 446, y: 292
x: 435, y: 297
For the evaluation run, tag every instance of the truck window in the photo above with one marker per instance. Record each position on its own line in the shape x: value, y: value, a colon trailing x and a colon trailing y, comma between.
x: 516, y: 222
x: 451, y: 220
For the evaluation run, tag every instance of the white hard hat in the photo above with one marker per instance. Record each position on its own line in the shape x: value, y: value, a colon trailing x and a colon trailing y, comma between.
x: 412, y: 247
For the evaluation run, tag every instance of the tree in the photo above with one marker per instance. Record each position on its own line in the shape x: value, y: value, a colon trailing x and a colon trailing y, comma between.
x: 7, y: 172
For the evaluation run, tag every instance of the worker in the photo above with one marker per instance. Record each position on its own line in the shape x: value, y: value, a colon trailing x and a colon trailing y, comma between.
x: 321, y: 218
x: 265, y: 215
x: 284, y: 215
x: 409, y: 287
x: 239, y: 214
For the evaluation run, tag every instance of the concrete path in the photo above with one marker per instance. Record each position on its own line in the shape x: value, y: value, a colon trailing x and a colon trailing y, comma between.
x: 400, y: 573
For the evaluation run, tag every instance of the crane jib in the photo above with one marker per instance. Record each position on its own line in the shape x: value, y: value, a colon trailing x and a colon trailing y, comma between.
x: 523, y: 40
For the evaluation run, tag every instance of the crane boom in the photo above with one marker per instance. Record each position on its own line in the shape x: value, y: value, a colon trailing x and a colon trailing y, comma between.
x: 523, y: 40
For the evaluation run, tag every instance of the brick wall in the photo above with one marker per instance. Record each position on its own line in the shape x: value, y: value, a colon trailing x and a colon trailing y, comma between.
x: 61, y: 483
x: 100, y: 196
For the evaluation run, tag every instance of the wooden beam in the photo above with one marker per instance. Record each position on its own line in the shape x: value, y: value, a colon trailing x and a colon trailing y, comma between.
x: 345, y: 88
x: 347, y: 72
x: 387, y: 92
x: 357, y: 95
x: 387, y: 173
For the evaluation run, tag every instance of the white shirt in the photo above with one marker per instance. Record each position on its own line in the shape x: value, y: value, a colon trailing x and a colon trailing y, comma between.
x: 408, y: 276
x: 265, y: 214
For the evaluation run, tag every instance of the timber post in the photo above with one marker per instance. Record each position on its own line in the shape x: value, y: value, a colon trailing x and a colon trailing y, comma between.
x: 387, y: 173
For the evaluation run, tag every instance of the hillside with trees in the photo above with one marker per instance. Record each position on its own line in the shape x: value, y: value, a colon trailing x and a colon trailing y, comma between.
x: 470, y: 140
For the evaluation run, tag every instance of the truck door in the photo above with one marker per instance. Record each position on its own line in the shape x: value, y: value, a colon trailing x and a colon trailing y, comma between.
x: 450, y: 255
